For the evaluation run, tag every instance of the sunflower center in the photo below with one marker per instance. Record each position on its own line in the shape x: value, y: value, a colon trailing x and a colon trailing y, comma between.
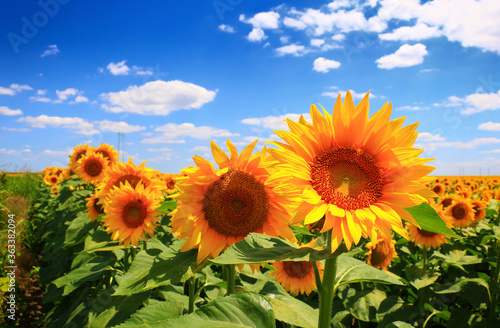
x: 459, y: 211
x: 134, y: 213
x: 437, y: 189
x: 80, y: 155
x: 426, y: 233
x: 98, y: 207
x: 236, y: 204
x: 446, y: 202
x: 93, y: 167
x: 380, y: 253
x: 347, y: 177
x: 132, y: 179
x: 299, y: 269
x: 53, y: 180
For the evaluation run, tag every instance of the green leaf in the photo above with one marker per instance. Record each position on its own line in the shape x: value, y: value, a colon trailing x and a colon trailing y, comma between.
x: 428, y: 219
x: 154, y: 315
x: 237, y: 310
x: 108, y: 310
x: 372, y: 305
x: 258, y: 248
x: 457, y: 287
x: 420, y: 278
x: 157, y: 267
x: 351, y: 270
x: 100, y: 240
x: 458, y: 258
x: 78, y: 229
x: 398, y: 324
x: 167, y: 206
x: 292, y: 311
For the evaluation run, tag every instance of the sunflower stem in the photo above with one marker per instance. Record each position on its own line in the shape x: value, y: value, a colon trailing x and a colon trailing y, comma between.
x: 319, y: 284
x: 327, y: 292
x: 125, y: 259
x: 230, y: 276
x: 192, y: 294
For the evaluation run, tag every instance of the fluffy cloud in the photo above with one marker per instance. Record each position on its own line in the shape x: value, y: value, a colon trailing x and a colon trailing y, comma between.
x: 121, y: 68
x: 256, y: 35
x: 81, y: 126
x: 405, y: 56
x: 412, y: 108
x: 427, y: 137
x: 69, y: 95
x: 4, y: 110
x: 158, y: 98
x: 489, y: 126
x: 325, y: 65
x: 14, y: 152
x: 479, y: 102
x: 263, y: 20
x: 51, y: 50
x: 171, y: 132
x: 14, y: 89
x: 226, y: 28
x: 417, y: 32
x: 292, y: 49
x: 274, y: 122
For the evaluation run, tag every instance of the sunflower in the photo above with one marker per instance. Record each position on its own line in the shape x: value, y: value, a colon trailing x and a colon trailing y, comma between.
x: 51, y: 179
x: 130, y: 212
x: 438, y: 189
x: 461, y: 212
x: 128, y: 172
x: 445, y: 201
x: 296, y: 277
x: 108, y: 152
x: 170, y: 180
x: 78, y: 152
x: 91, y: 168
x: 358, y: 173
x: 215, y: 209
x: 479, y: 208
x: 54, y: 190
x: 426, y: 238
x: 93, y: 208
x: 381, y: 252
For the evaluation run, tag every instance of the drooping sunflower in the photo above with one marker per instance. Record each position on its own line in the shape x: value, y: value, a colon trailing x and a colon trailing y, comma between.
x: 94, y: 209
x: 108, y: 152
x: 461, y: 212
x: 130, y: 212
x: 92, y: 168
x: 296, y: 277
x: 381, y: 253
x: 128, y: 172
x: 215, y: 209
x: 78, y: 152
x: 426, y: 238
x: 358, y: 173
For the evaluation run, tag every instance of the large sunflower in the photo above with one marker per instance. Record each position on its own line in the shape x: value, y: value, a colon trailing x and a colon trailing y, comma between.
x: 91, y: 168
x: 358, y: 173
x: 215, y: 209
x: 108, y: 152
x: 130, y: 212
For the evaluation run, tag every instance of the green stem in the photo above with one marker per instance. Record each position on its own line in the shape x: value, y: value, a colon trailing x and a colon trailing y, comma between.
x: 326, y: 296
x: 192, y: 294
x: 145, y: 245
x: 319, y: 284
x: 231, y: 276
x: 423, y: 291
x: 125, y: 259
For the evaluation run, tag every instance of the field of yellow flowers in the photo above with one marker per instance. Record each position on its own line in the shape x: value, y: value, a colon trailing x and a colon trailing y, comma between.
x: 338, y: 225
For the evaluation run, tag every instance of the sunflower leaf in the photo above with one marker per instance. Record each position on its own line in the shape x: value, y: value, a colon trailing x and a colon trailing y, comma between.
x: 420, y: 278
x: 293, y: 311
x: 428, y: 219
x: 351, y: 270
x: 237, y: 310
x: 154, y: 315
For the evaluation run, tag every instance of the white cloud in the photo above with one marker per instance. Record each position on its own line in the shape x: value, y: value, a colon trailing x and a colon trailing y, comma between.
x: 41, y: 92
x: 405, y: 56
x: 52, y: 50
x: 4, y: 110
x: 427, y: 137
x: 64, y: 94
x: 256, y: 35
x: 292, y: 49
x: 412, y: 108
x: 479, y: 102
x: 160, y: 149
x: 69, y: 95
x: 118, y: 68
x: 284, y: 39
x: 15, y: 129
x: 80, y: 99
x: 458, y: 144
x: 427, y: 70
x: 158, y: 98
x: 274, y: 122
x: 226, y: 28
x: 317, y: 42
x: 171, y: 131
x: 81, y: 126
x: 200, y: 149
x: 294, y: 23
x: 14, y: 89
x: 417, y: 32
x: 40, y: 99
x: 325, y: 65
x: 494, y: 151
x: 58, y: 153
x: 263, y: 20
x: 14, y: 152
x: 355, y: 95
x: 338, y: 37
x: 489, y: 126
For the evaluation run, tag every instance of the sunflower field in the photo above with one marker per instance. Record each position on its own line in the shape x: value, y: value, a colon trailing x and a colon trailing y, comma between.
x: 339, y: 224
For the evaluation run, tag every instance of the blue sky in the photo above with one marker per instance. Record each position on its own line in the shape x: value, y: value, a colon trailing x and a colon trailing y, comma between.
x: 174, y: 75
